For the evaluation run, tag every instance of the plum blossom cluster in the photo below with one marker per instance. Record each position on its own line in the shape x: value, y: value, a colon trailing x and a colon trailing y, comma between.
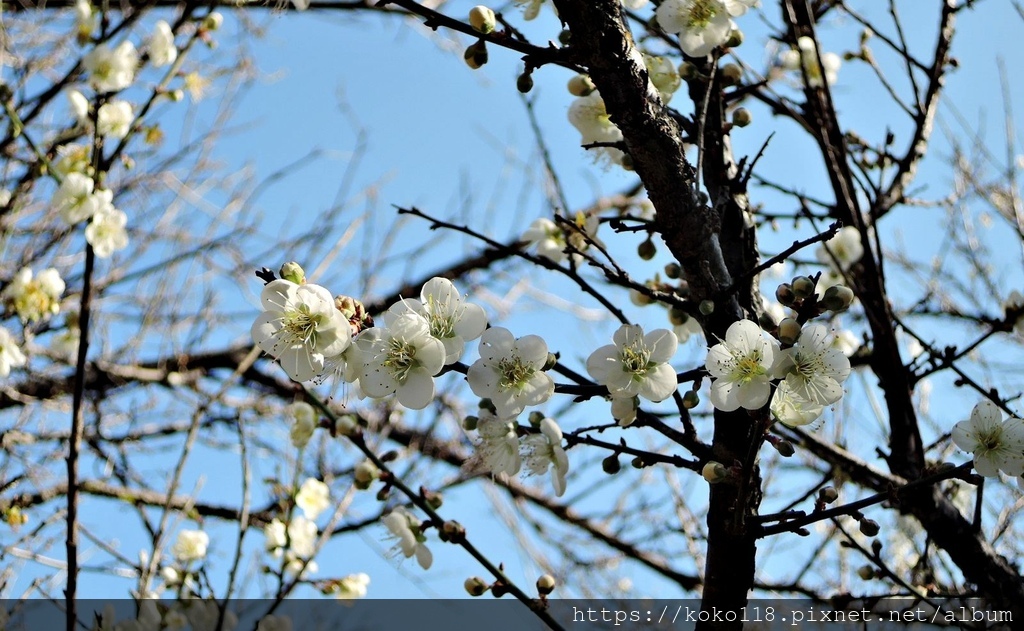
x: 808, y: 374
x: 804, y: 59
x: 702, y: 25
x: 502, y: 451
x: 556, y: 242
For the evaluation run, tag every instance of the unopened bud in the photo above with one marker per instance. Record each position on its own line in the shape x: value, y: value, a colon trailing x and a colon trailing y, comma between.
x: 837, y: 298
x: 715, y: 472
x: 784, y: 294
x: 550, y: 362
x: 345, y: 426
x: 611, y: 464
x: 176, y: 95
x: 646, y: 250
x: 637, y: 463
x: 866, y: 572
x: 802, y: 287
x: 639, y: 298
x: 785, y: 448
x: 476, y: 54
x: 581, y: 85
x: 677, y: 316
x: 545, y: 584
x: 706, y: 307
x: 365, y: 473
x: 213, y: 21
x: 735, y: 38
x: 482, y: 19
x: 452, y: 530
x: 469, y: 423
x: 687, y: 70
x: 293, y: 271
x: 731, y: 74
x: 828, y: 495
x: 565, y: 37
x: 789, y: 331
x: 691, y: 399
x: 741, y: 117
x: 525, y: 82
x: 487, y: 404
x: 433, y: 499
x: 673, y: 271
x: 869, y: 527
x: 475, y: 586
x: 536, y: 418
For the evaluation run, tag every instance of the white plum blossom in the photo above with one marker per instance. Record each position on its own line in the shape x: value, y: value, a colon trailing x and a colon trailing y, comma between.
x: 701, y: 24
x: 687, y: 329
x: 791, y: 410
x: 351, y: 587
x: 452, y: 320
x: 296, y: 543
x: 589, y: 116
x: 531, y: 8
x: 304, y: 422
x: 997, y: 445
x: 111, y: 70
x: 510, y: 371
x: 741, y: 365
x: 36, y: 297
x: 79, y: 106
x: 85, y: 19
x: 813, y: 369
x: 636, y: 364
x: 402, y: 359
x: 845, y: 248
x: 544, y: 450
x: 498, y: 448
x: 736, y: 8
x: 114, y: 119
x: 162, y: 51
x: 300, y: 326
x: 10, y: 355
x: 551, y: 240
x: 806, y: 57
x: 106, y: 232
x: 77, y: 200
x: 190, y: 546
x: 72, y: 158
x: 408, y: 530
x: 313, y: 498
x: 664, y: 76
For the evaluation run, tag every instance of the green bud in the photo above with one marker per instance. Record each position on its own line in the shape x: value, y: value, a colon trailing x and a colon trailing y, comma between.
x: 828, y: 495
x: 691, y: 399
x: 707, y: 307
x: 545, y: 585
x: 741, y: 117
x: 802, y: 287
x: 687, y: 70
x: 866, y: 572
x: 524, y: 83
x: 637, y: 463
x: 735, y: 38
x: 869, y: 527
x: 536, y: 418
x: 611, y: 464
x: 581, y: 85
x: 213, y: 21
x: 731, y: 74
x: 784, y: 294
x: 647, y: 250
x: 469, y: 423
x: 837, y: 298
x: 565, y: 37
x: 789, y: 331
x: 476, y: 586
x: 433, y: 499
x: 293, y: 271
x: 677, y: 316
x: 673, y: 271
x: 482, y: 19
x: 476, y: 54
x: 715, y: 472
x: 785, y: 448
x: 550, y: 362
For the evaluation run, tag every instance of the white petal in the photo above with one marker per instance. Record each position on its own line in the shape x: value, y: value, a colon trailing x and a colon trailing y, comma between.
x: 472, y: 323
x: 424, y: 557
x: 986, y: 417
x: 300, y: 364
x: 278, y: 294
x: 532, y: 349
x: 663, y: 345
x: 418, y: 390
x: 659, y: 384
x: 753, y: 395
x: 496, y: 342
x: 430, y: 355
x: 964, y: 436
x: 603, y: 362
x: 723, y: 395
x: 377, y: 382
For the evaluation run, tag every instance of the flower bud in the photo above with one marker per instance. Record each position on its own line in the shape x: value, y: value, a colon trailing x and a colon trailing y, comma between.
x: 640, y: 299
x: 731, y: 74
x: 452, y: 530
x: 550, y: 362
x: 715, y: 472
x: 213, y: 21
x: 735, y: 38
x: 866, y: 572
x: 741, y: 117
x: 545, y: 584
x: 564, y: 37
x: 482, y: 19
x: 785, y: 448
x: 677, y: 316
x: 345, y: 426
x: 611, y: 464
x: 304, y: 423
x: 828, y: 495
x: 837, y: 298
x: 293, y: 271
x: 536, y: 418
x: 581, y: 85
x: 176, y: 95
x: 476, y: 54
x: 673, y: 271
x: 784, y: 294
x: 802, y: 287
x: 707, y: 307
x: 789, y: 331
x: 691, y: 399
x: 433, y: 499
x: 365, y: 473
x: 869, y: 527
x: 637, y: 463
x: 469, y: 423
x: 525, y: 82
x: 687, y: 70
x: 646, y: 250
x: 476, y: 586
